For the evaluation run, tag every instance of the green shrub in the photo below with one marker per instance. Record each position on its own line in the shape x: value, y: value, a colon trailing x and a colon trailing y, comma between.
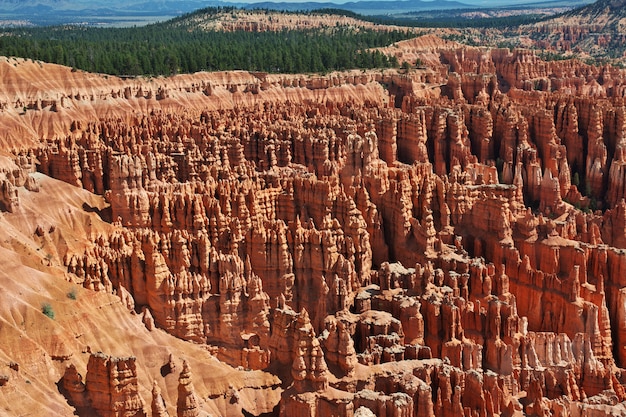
x: 72, y: 294
x: 47, y: 310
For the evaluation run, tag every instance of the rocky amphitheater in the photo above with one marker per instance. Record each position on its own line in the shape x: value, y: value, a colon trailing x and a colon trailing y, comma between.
x: 444, y: 241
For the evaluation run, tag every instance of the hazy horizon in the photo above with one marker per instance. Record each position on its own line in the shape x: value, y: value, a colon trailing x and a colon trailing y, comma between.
x: 482, y: 3
x: 141, y: 12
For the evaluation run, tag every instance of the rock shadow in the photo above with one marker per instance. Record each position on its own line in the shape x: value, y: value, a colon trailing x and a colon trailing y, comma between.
x: 105, y: 214
x: 274, y: 413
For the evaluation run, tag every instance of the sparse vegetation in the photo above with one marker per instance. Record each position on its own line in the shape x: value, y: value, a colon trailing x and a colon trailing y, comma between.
x: 460, y: 37
x: 553, y: 56
x: 47, y: 310
x: 72, y: 294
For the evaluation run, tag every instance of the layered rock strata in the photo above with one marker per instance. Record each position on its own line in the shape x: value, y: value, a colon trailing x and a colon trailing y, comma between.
x: 410, y: 253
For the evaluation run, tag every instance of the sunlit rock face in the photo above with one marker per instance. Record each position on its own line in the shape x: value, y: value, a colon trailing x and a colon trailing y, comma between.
x: 443, y: 242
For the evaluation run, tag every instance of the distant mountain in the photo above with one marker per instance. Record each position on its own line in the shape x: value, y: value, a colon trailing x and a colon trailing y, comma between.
x: 365, y: 7
x: 112, y: 12
x: 605, y: 13
x: 46, y: 12
x: 554, y: 3
x: 98, y: 12
x: 118, y: 5
x: 614, y: 7
x: 191, y: 5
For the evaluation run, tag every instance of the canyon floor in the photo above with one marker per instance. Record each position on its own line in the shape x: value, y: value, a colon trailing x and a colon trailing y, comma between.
x: 444, y: 240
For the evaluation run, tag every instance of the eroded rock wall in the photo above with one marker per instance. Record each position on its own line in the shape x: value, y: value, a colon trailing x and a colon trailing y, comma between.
x: 444, y: 252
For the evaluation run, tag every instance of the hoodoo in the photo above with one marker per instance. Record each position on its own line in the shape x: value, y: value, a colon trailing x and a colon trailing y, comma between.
x: 436, y: 241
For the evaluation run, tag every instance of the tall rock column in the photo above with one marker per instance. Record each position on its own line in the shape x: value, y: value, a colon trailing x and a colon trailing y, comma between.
x: 309, y: 369
x: 158, y: 404
x: 597, y: 154
x: 187, y: 405
x: 129, y: 200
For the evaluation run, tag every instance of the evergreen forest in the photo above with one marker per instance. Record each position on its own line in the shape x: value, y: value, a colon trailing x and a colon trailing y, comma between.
x: 170, y: 48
